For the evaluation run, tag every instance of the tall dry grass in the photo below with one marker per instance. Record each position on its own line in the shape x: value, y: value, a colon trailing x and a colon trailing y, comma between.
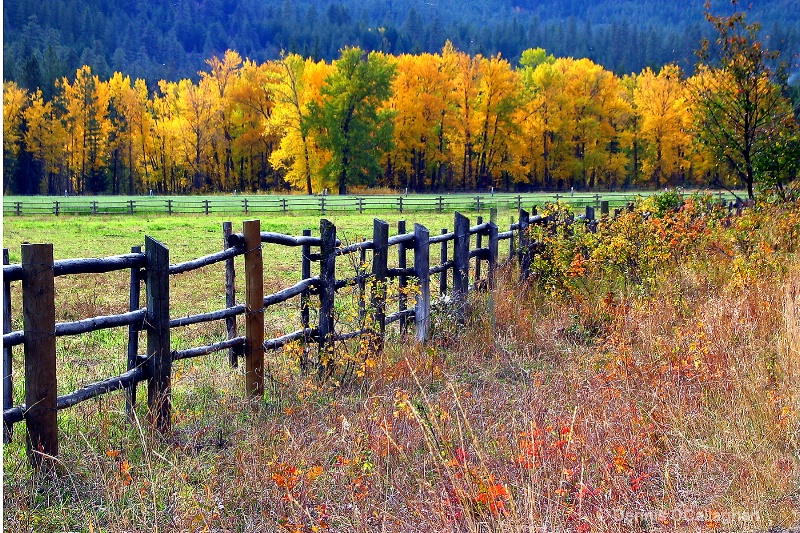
x: 603, y: 408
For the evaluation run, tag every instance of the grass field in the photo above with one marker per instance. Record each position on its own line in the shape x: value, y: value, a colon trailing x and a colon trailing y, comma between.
x: 648, y: 381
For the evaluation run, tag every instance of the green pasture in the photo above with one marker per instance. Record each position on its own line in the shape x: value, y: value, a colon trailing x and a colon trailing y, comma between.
x: 102, y: 354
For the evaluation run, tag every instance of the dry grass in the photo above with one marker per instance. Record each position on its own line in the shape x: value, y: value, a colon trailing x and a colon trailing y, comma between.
x: 671, y: 410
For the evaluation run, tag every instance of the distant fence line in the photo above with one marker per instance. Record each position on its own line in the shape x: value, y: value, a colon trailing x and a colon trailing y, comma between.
x: 38, y: 270
x: 320, y: 205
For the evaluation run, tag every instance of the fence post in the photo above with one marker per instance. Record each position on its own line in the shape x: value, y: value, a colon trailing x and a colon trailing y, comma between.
x: 159, y: 355
x: 322, y: 205
x: 130, y: 206
x: 402, y: 282
x: 362, y: 285
x: 8, y: 356
x: 283, y: 203
x: 441, y: 207
x: 422, y: 308
x: 400, y: 201
x: 524, y: 246
x: 380, y: 253
x: 169, y: 206
x: 493, y: 253
x: 18, y: 208
x: 205, y: 204
x: 494, y: 246
x: 360, y: 205
x: 133, y: 334
x: 478, y: 243
x: 39, y: 319
x: 305, y: 314
x: 461, y: 260
x: 94, y: 208
x: 230, y: 295
x: 511, y: 251
x: 327, y: 286
x: 254, y: 317
x: 55, y: 207
x: 245, y: 206
x: 443, y: 260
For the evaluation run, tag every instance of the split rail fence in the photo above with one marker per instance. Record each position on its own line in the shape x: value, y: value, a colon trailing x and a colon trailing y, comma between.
x: 322, y: 205
x: 38, y: 270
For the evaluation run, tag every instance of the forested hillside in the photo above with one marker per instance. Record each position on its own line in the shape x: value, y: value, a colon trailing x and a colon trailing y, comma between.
x: 170, y: 39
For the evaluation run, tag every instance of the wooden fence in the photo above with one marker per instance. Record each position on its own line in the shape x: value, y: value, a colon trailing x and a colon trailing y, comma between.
x: 321, y: 205
x: 38, y: 270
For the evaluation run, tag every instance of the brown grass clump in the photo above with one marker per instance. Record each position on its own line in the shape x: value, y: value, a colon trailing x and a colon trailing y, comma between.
x: 588, y: 404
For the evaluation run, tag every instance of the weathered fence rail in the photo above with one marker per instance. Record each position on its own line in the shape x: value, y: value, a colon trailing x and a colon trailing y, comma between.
x: 38, y: 336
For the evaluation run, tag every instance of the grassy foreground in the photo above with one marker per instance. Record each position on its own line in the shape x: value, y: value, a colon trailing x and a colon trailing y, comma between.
x: 647, y: 380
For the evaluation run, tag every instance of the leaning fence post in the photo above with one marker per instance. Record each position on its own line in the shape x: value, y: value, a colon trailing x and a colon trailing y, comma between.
x: 443, y: 260
x: 159, y: 356
x: 8, y: 355
x: 327, y: 286
x: 380, y: 256
x: 254, y: 317
x: 230, y: 295
x: 524, y: 245
x: 39, y: 319
x: 460, y: 260
x: 422, y: 308
x: 133, y: 334
x: 402, y: 282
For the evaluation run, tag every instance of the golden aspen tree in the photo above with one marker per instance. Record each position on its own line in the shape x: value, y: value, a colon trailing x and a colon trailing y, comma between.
x: 254, y: 103
x: 421, y: 98
x: 496, y: 105
x: 296, y: 82
x: 466, y: 72
x: 196, y: 123
x: 592, y: 96
x: 121, y: 143
x: 15, y: 99
x: 221, y: 80
x: 45, y: 137
x: 88, y: 127
x: 538, y: 116
x: 661, y: 103
x: 168, y: 174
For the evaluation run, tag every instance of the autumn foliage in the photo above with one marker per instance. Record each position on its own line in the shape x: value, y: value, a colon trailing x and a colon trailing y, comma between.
x: 427, y: 122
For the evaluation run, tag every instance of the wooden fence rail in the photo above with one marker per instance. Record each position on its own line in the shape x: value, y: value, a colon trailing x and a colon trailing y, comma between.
x: 321, y: 205
x: 152, y: 267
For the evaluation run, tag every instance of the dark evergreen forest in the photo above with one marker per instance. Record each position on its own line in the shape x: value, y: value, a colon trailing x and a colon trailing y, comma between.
x: 45, y: 40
